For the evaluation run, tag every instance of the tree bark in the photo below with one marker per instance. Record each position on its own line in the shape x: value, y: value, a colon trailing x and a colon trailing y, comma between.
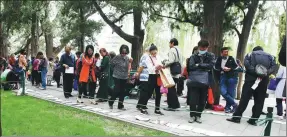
x: 137, y: 43
x: 34, y: 34
x: 82, y: 37
x: 213, y: 33
x: 49, y: 44
x: 243, y: 37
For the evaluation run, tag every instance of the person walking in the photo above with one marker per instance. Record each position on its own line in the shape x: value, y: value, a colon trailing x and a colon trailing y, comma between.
x: 68, y: 62
x: 227, y: 65
x: 76, y: 80
x: 22, y: 63
x: 174, y: 63
x: 87, y: 75
x: 200, y: 69
x: 281, y: 87
x: 259, y: 65
x: 120, y: 65
x: 104, y: 76
x: 43, y: 67
x: 152, y: 63
x: 57, y: 72
x: 51, y: 68
x: 35, y: 72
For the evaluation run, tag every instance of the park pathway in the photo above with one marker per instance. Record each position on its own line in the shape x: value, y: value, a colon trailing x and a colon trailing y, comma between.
x: 214, y: 123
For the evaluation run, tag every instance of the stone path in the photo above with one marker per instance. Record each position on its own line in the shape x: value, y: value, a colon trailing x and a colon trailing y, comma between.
x: 214, y: 123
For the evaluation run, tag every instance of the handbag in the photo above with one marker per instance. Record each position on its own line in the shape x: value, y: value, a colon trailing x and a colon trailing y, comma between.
x: 210, y: 99
x: 175, y: 68
x: 163, y: 90
x: 199, y: 78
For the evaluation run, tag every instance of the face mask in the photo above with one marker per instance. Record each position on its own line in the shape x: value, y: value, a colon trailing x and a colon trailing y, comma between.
x: 202, y: 52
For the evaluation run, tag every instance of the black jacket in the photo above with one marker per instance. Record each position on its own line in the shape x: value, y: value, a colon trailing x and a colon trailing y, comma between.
x: 282, y: 53
x: 231, y: 63
x: 205, y: 62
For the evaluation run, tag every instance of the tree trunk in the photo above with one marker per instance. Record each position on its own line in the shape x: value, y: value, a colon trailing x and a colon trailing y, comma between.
x: 35, y: 36
x: 213, y: 33
x: 243, y: 37
x: 49, y: 44
x: 137, y: 43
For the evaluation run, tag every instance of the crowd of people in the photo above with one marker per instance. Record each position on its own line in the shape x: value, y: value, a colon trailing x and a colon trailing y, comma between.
x: 83, y: 70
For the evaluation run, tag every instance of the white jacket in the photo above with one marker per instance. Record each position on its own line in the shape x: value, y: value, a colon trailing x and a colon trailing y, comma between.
x: 280, y: 86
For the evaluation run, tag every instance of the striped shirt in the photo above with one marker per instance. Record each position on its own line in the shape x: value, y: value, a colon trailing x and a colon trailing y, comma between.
x: 143, y: 63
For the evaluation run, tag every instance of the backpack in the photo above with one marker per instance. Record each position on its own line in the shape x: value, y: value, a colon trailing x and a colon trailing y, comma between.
x: 262, y: 62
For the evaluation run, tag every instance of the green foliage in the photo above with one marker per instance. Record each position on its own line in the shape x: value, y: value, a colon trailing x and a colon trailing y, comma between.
x: 282, y: 29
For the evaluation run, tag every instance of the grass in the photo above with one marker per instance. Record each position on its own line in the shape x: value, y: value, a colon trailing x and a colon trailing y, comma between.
x: 28, y: 116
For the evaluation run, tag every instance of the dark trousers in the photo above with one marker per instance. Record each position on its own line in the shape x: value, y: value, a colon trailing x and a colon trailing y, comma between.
x: 180, y: 86
x: 259, y: 97
x: 57, y: 77
x: 103, y: 91
x: 279, y: 106
x: 68, y: 84
x: 197, y: 100
x: 188, y: 95
x: 35, y: 77
x: 119, y: 91
x: 147, y: 89
x: 83, y: 89
x: 172, y: 99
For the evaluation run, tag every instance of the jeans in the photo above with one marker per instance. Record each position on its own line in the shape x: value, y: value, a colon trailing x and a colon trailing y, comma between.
x: 76, y: 83
x: 228, y: 88
x: 44, y: 77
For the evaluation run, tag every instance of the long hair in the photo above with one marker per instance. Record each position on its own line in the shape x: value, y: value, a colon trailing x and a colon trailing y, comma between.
x: 124, y: 47
x: 194, y: 49
x: 104, y: 50
x: 86, y: 51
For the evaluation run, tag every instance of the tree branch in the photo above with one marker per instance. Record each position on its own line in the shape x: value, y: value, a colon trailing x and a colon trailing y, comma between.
x: 242, y: 9
x: 122, y: 16
x: 237, y: 31
x: 115, y: 28
x: 90, y: 14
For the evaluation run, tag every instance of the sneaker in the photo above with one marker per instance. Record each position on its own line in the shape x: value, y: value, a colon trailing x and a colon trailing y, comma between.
x: 192, y: 120
x: 43, y: 88
x: 79, y: 100
x: 234, y: 107
x: 158, y: 112
x: 227, y: 111
x: 198, y: 120
x: 93, y: 102
x: 233, y: 120
x: 143, y: 111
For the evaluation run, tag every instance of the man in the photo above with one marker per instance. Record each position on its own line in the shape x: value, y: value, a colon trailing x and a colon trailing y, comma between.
x: 228, y: 80
x: 67, y: 61
x: 174, y: 63
x: 259, y: 65
x: 43, y: 67
x: 76, y: 81
x: 200, y: 70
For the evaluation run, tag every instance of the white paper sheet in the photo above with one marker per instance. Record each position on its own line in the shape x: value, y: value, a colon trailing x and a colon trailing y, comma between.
x: 69, y: 70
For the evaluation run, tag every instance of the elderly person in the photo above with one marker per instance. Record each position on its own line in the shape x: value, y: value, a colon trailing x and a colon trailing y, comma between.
x: 120, y: 65
x: 67, y: 61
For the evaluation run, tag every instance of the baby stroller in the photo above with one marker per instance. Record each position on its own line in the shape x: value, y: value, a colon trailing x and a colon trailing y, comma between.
x: 9, y: 80
x: 132, y: 89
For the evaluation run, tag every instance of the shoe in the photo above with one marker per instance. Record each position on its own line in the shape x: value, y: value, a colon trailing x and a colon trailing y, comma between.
x: 233, y: 120
x: 227, y: 111
x: 93, y: 102
x: 143, y: 111
x: 168, y: 109
x: 158, y: 112
x: 43, y: 88
x: 198, y: 120
x: 192, y: 120
x: 122, y: 108
x: 165, y: 101
x: 79, y: 100
x: 66, y: 98
x: 263, y: 113
x: 252, y: 122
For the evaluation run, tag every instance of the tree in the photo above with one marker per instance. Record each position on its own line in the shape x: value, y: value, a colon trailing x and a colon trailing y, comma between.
x: 124, y: 8
x: 74, y: 20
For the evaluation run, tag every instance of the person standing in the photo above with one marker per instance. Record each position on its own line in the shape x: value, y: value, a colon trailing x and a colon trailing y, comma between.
x: 174, y: 63
x: 227, y: 66
x: 281, y: 87
x: 68, y: 62
x: 104, y: 76
x: 57, y: 72
x: 76, y: 80
x: 35, y: 72
x: 200, y: 69
x: 259, y: 65
x: 43, y: 67
x: 87, y: 75
x: 22, y: 63
x: 120, y: 65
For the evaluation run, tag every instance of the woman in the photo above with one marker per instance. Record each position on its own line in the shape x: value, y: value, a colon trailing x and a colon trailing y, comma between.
x: 43, y: 67
x: 281, y: 87
x: 120, y: 65
x: 87, y: 75
x: 36, y: 76
x: 103, y: 91
x: 57, y: 72
x: 153, y: 65
x: 50, y: 71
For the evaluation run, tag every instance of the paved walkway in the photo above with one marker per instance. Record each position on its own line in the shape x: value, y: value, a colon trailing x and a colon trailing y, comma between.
x: 176, y: 123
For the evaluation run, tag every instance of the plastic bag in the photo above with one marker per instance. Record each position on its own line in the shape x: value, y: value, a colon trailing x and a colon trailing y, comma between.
x: 163, y: 90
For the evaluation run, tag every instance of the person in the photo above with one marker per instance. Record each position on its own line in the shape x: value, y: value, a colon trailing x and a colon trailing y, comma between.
x: 98, y: 64
x: 111, y: 80
x: 12, y: 60
x: 68, y: 62
x: 76, y: 80
x: 226, y: 65
x: 57, y: 72
x: 31, y: 69
x: 104, y: 76
x: 259, y: 65
x: 120, y: 65
x: 22, y: 63
x: 281, y: 87
x: 35, y: 72
x: 200, y: 69
x: 43, y: 67
x: 87, y: 75
x: 282, y: 53
x: 174, y: 58
x: 51, y: 69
